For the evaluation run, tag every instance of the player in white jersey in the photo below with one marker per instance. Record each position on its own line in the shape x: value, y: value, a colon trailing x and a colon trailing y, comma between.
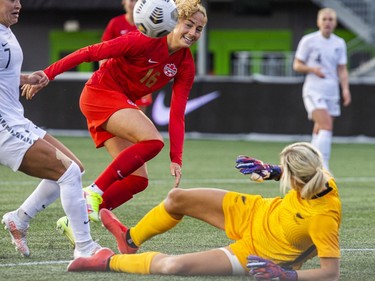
x: 27, y: 148
x: 321, y: 55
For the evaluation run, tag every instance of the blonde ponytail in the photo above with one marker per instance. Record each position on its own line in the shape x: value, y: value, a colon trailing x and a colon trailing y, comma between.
x: 302, y: 167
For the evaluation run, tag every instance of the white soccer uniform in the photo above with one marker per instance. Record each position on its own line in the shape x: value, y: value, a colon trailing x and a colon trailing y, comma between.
x: 327, y: 53
x: 17, y: 133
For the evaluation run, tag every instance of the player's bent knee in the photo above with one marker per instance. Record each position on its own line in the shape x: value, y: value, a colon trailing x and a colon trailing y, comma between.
x: 175, y: 199
x: 159, y: 143
x: 138, y: 184
x: 72, y: 175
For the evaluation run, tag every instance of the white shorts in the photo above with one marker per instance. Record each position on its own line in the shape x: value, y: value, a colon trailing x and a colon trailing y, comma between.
x: 313, y: 102
x: 16, y: 140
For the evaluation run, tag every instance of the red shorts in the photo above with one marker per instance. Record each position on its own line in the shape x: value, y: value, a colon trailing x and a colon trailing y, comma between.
x: 145, y: 101
x: 98, y: 105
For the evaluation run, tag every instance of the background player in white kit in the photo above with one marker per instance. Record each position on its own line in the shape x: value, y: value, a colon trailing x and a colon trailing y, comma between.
x: 25, y: 147
x: 321, y: 55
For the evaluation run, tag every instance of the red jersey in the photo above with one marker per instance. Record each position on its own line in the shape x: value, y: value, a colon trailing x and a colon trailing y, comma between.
x: 138, y: 65
x: 116, y: 27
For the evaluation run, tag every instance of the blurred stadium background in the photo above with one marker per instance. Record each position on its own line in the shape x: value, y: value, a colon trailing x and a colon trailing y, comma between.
x: 244, y: 58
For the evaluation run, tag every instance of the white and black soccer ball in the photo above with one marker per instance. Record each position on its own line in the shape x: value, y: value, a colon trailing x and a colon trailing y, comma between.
x: 155, y: 18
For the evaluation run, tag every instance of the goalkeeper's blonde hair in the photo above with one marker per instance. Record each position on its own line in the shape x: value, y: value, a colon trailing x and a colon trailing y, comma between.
x: 302, y: 167
x: 187, y: 8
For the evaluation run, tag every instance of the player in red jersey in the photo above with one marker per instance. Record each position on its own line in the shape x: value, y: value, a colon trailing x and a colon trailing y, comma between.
x: 136, y: 66
x: 121, y: 25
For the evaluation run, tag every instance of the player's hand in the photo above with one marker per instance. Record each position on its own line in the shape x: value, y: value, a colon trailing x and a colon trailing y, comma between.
x: 176, y: 171
x: 317, y: 71
x: 29, y: 91
x: 263, y: 269
x: 257, y: 170
x: 346, y: 97
x: 33, y: 83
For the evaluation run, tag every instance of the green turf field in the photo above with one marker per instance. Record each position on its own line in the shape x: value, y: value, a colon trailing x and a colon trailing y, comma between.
x: 206, y: 164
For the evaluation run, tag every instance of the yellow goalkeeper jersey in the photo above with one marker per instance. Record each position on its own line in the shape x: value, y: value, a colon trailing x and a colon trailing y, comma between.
x: 286, y: 230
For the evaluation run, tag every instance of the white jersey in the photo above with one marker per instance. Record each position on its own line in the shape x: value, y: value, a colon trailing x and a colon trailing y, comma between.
x: 11, y: 57
x: 327, y: 53
x: 17, y: 133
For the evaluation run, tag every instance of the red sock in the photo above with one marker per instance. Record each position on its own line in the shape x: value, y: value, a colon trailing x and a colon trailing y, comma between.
x: 121, y: 191
x: 129, y: 160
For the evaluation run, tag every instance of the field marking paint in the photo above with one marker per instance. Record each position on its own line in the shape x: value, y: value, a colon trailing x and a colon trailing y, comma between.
x: 63, y: 262
x: 33, y: 263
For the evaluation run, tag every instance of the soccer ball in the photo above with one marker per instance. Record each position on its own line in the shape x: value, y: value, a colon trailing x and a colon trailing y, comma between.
x: 155, y: 18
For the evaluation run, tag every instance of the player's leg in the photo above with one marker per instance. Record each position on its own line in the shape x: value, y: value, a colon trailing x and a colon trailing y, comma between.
x: 323, y: 141
x: 219, y: 262
x: 201, y: 203
x: 48, y: 190
x: 109, y: 114
x: 46, y: 161
x: 137, y: 129
x: 319, y: 111
x: 212, y: 262
x: 141, y: 142
x: 121, y: 191
x: 63, y: 225
x: 66, y: 151
x: 15, y: 144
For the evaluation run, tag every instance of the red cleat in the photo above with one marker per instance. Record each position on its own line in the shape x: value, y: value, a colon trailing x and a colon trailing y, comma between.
x: 97, y: 262
x: 118, y: 230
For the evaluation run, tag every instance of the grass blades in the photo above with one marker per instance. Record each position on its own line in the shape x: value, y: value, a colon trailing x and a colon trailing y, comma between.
x: 207, y: 163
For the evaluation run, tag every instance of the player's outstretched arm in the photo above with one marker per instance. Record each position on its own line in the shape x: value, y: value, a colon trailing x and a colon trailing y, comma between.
x: 176, y: 171
x: 257, y: 170
x: 263, y: 269
x: 33, y: 83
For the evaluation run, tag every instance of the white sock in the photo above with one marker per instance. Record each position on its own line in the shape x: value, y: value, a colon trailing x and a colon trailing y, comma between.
x: 74, y: 204
x: 323, y: 144
x: 314, y: 139
x: 95, y: 188
x: 45, y: 194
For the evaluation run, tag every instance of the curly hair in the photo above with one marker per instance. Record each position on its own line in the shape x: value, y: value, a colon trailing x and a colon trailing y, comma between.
x: 302, y: 167
x: 187, y: 8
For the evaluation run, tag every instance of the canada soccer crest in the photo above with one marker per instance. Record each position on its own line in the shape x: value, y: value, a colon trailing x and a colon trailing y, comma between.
x: 170, y: 70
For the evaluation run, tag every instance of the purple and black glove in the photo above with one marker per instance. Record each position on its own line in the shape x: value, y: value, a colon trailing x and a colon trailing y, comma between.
x: 266, y: 270
x: 257, y: 170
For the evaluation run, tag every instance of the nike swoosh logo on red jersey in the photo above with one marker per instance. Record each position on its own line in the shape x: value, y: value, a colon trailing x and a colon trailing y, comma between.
x: 152, y: 61
x: 160, y: 112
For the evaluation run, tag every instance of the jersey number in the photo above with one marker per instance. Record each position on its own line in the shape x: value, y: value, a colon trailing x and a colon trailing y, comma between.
x: 150, y: 78
x: 7, y: 50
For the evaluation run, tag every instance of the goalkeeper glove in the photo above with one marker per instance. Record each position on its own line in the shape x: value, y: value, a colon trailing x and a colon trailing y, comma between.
x: 263, y: 269
x: 257, y: 170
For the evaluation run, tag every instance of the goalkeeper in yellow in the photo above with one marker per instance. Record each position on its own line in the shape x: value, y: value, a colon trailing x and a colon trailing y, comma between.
x: 273, y: 236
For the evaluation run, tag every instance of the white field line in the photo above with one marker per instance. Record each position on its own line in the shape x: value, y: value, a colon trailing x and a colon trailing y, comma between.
x: 65, y: 262
x: 33, y: 263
